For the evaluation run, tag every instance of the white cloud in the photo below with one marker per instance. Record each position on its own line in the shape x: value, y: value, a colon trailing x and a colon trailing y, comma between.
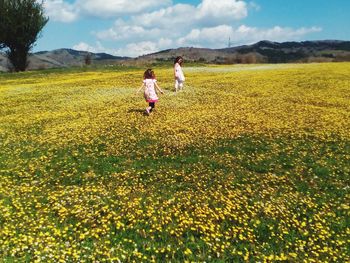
x: 208, y: 37
x: 144, y: 47
x: 97, y: 48
x: 58, y: 10
x: 180, y: 16
x: 147, y: 26
x: 174, y: 17
x: 124, y: 31
x: 222, y: 9
x: 82, y: 46
x: 217, y: 37
x: 141, y: 48
x: 64, y: 11
x: 277, y: 33
x: 254, y: 6
x: 175, y: 21
x: 114, y: 8
x: 131, y: 49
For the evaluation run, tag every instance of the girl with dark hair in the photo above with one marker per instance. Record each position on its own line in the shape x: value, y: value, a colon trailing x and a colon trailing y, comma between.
x: 178, y: 74
x: 150, y: 86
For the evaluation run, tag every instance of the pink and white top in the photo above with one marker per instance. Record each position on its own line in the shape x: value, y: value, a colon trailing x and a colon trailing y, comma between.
x: 150, y: 92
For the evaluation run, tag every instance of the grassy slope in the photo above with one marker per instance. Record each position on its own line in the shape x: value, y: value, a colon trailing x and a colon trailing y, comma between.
x: 248, y: 163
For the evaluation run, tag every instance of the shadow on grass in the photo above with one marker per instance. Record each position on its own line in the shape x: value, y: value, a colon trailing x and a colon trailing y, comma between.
x: 141, y: 111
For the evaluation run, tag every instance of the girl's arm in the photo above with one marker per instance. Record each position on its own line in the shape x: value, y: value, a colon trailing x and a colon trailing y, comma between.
x: 159, y: 89
x: 142, y: 86
x: 175, y: 70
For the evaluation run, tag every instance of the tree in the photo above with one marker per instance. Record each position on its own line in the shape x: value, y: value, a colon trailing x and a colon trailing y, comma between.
x: 2, y: 21
x: 21, y: 22
x: 87, y: 59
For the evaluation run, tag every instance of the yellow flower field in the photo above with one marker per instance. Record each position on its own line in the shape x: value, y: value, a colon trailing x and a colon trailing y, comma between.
x: 247, y: 164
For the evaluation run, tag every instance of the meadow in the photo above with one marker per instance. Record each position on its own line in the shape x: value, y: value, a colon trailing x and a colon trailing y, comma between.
x: 247, y: 164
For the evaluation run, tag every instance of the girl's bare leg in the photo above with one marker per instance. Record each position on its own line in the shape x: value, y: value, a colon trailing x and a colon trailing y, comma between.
x: 176, y: 85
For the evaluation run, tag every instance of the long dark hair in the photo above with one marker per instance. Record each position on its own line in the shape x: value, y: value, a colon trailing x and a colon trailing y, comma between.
x: 149, y: 74
x: 177, y: 59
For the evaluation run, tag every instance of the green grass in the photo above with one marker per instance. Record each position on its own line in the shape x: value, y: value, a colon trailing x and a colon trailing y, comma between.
x: 261, y: 175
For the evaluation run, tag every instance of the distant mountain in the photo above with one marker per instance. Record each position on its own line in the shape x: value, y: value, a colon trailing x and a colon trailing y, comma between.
x: 63, y: 58
x: 306, y: 51
x: 261, y: 52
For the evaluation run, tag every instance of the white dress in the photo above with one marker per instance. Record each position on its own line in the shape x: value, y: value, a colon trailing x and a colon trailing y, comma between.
x: 179, y: 75
x: 150, y: 92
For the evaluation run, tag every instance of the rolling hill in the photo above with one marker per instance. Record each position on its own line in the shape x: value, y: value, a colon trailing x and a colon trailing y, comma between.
x: 63, y: 58
x: 261, y: 52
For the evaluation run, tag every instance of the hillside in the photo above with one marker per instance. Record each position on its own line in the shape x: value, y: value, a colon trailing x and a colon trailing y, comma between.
x: 307, y: 51
x: 62, y: 58
x: 261, y: 52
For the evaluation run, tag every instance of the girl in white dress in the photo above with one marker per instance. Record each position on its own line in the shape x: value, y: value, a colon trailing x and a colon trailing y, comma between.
x: 178, y: 74
x: 149, y: 84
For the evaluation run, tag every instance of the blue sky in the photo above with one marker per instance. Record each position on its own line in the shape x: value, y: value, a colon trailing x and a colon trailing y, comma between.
x: 137, y: 27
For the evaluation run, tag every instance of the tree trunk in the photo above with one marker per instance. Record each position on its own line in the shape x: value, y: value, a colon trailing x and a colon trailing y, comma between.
x: 18, y: 58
